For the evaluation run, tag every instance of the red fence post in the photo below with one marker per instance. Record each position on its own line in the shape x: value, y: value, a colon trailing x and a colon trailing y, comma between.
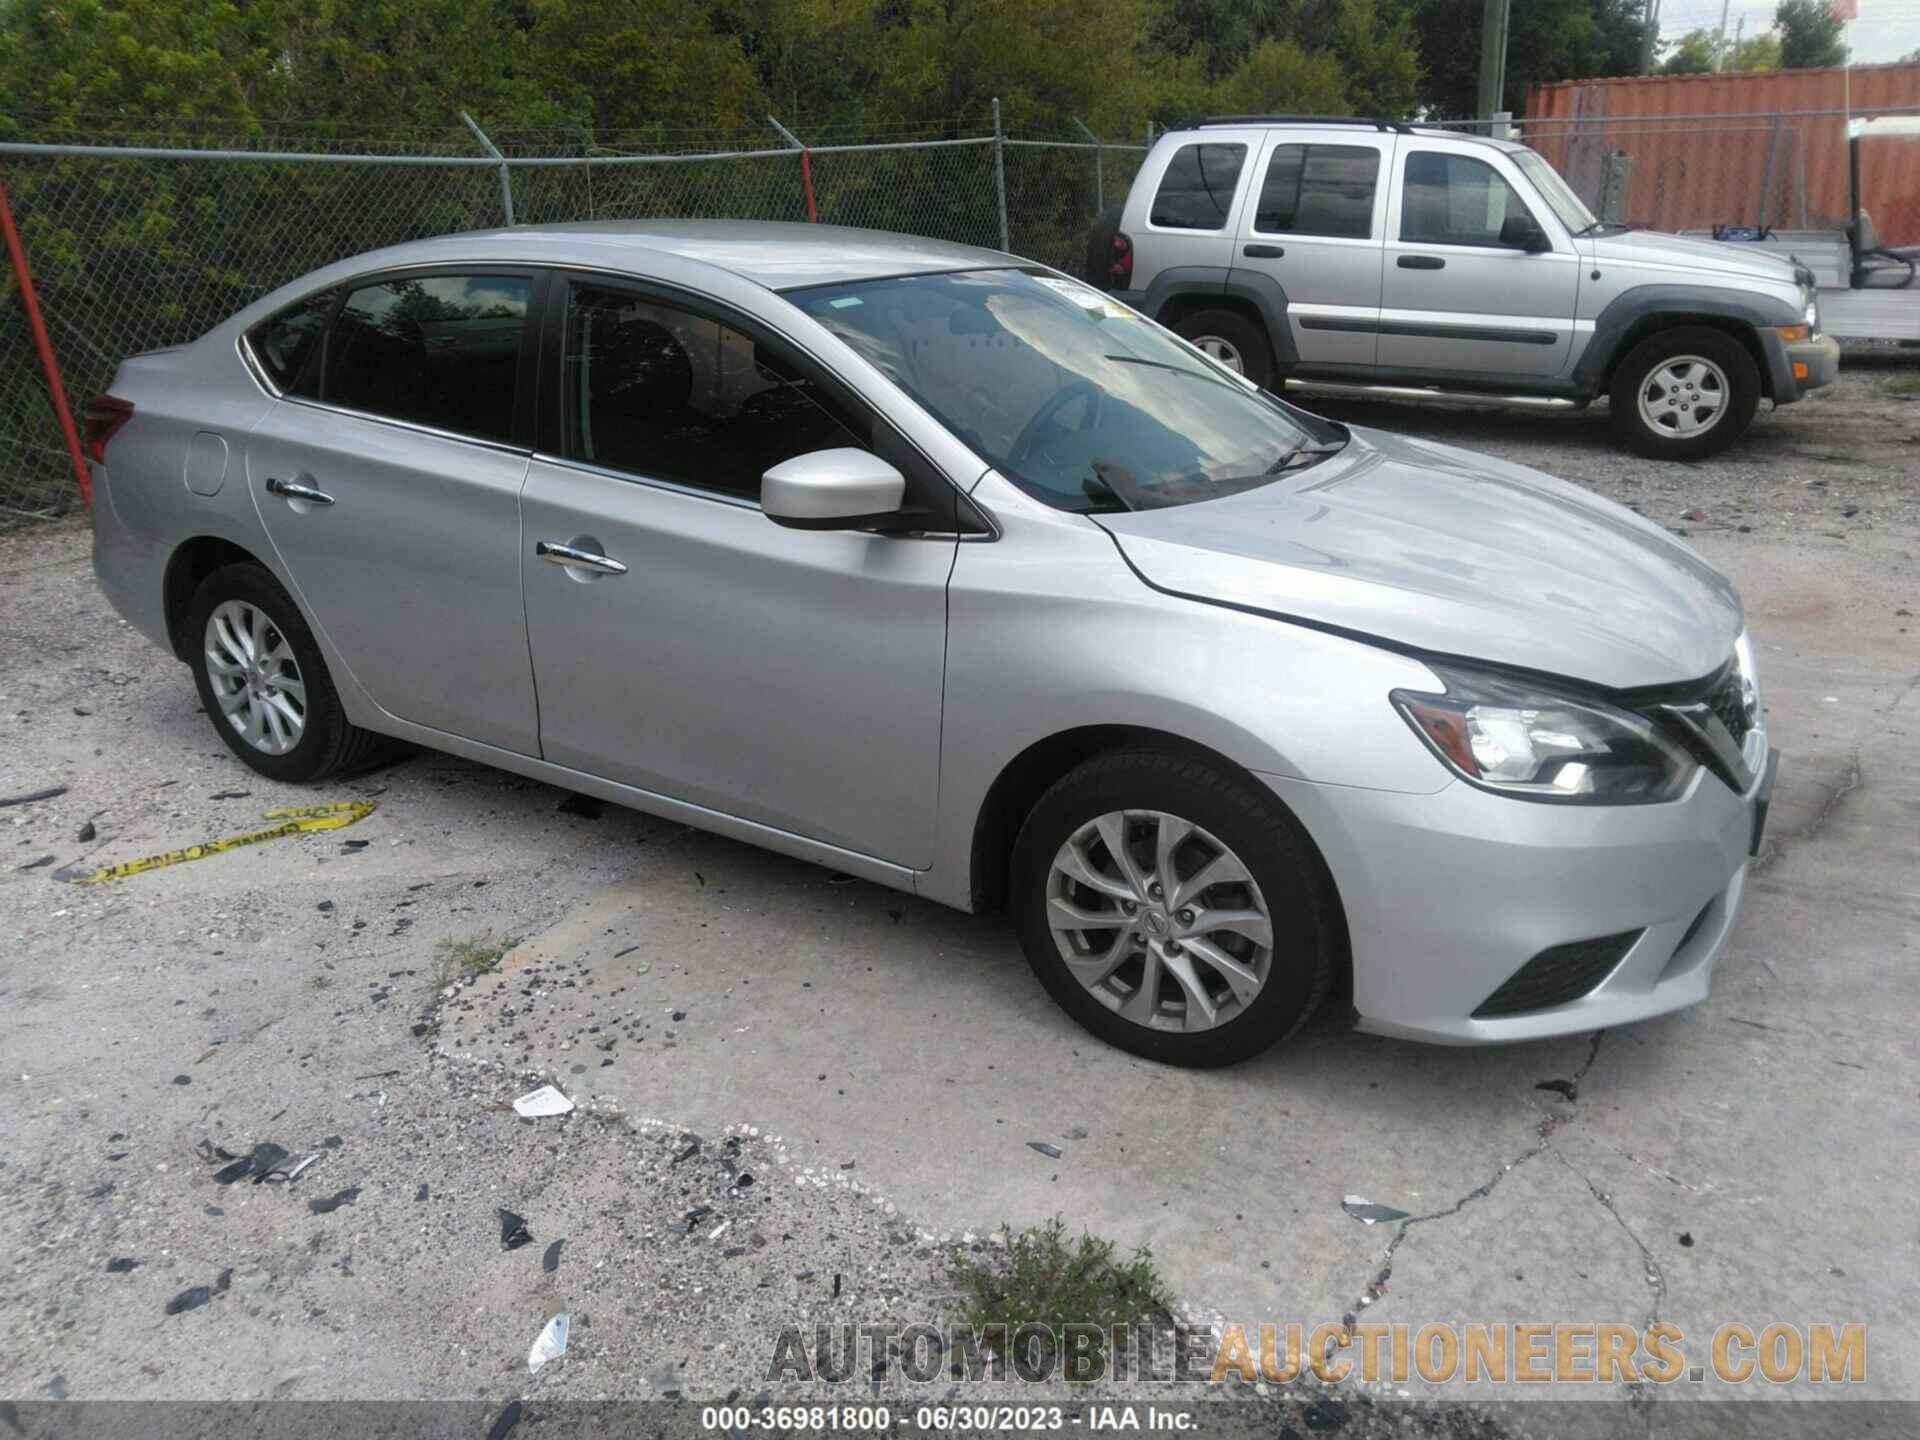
x: 806, y: 184
x: 17, y: 253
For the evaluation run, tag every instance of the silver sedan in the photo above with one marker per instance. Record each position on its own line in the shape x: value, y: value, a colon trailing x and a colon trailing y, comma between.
x: 940, y: 568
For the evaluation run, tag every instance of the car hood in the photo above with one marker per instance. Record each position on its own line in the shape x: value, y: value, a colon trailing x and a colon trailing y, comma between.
x: 1729, y: 258
x: 1440, y: 550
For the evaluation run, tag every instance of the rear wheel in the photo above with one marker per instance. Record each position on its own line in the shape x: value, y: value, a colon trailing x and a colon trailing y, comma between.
x: 264, y: 684
x: 1172, y: 908
x: 1684, y: 394
x: 1232, y: 339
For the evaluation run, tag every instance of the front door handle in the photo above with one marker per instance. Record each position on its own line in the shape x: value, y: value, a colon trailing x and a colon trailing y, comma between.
x: 293, y: 490
x: 559, y: 554
x: 1263, y: 252
x: 1421, y: 262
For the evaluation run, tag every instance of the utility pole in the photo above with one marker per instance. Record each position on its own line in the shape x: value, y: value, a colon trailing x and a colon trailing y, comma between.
x: 1650, y: 43
x: 1493, y: 57
x: 1720, y: 44
x: 1739, y: 31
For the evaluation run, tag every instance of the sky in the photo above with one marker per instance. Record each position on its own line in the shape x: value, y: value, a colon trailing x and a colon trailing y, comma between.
x: 1886, y: 29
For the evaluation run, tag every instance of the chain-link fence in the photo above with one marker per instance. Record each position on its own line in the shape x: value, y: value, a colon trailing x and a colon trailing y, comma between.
x: 133, y: 249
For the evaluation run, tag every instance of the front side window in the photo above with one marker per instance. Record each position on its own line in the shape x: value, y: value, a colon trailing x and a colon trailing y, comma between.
x: 1319, y: 190
x: 670, y: 395
x: 1456, y: 200
x: 1074, y: 398
x: 439, y: 350
x: 283, y: 344
x: 1197, y: 191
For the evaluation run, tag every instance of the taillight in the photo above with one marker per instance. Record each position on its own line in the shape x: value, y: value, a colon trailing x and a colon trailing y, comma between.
x: 105, y: 415
x: 1120, y: 266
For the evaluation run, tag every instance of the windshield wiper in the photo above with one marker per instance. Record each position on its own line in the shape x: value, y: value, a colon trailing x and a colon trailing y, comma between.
x: 1162, y: 365
x: 1599, y: 225
x: 1304, y: 454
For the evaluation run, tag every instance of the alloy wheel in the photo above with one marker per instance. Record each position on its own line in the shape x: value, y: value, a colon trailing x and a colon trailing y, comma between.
x: 1159, y: 920
x: 1684, y: 396
x: 1225, y: 351
x: 255, y: 678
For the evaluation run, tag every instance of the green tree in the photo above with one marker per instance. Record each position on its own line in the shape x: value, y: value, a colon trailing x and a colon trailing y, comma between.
x: 1810, y: 34
x: 1547, y: 40
x: 1694, y: 53
x: 1761, y: 52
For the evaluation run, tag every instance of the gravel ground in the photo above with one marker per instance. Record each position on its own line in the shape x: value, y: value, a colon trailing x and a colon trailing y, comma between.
x: 288, y: 993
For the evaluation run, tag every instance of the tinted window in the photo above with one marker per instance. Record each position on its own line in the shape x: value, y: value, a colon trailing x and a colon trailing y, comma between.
x: 1197, y: 190
x: 441, y: 350
x: 676, y: 396
x: 1455, y: 200
x: 284, y: 343
x: 1319, y: 190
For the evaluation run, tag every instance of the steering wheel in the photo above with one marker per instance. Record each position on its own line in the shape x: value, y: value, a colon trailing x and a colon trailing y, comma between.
x: 1043, y: 418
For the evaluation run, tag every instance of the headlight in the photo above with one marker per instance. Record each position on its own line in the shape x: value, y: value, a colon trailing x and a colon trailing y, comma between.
x: 1812, y: 316
x: 1523, y: 740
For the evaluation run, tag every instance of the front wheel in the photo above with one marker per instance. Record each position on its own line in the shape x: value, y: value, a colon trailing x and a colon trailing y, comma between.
x: 1172, y: 908
x: 1684, y: 394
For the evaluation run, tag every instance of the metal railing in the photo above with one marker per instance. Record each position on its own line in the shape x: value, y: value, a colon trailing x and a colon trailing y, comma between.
x: 136, y: 247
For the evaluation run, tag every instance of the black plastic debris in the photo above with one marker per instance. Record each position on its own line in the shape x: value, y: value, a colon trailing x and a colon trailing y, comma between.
x: 1686, y: 1239
x: 32, y: 795
x: 743, y: 1180
x: 585, y: 806
x: 1560, y: 1087
x: 230, y: 795
x: 122, y: 1265
x: 836, y: 1284
x: 334, y: 1201
x: 87, y: 832
x: 504, y: 1422
x: 696, y: 1215
x: 354, y: 847
x: 325, y: 907
x: 1052, y: 1152
x: 692, y: 1149
x: 183, y: 1080
x: 513, y: 1231
x: 421, y: 1193
x: 267, y: 1159
x: 36, y: 864
x: 191, y: 1299
x: 550, y: 1261
x: 839, y: 877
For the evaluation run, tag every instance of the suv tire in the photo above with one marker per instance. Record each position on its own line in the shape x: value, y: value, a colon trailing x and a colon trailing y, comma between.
x: 1668, y: 379
x: 264, y: 684
x: 1273, y: 888
x: 1232, y: 339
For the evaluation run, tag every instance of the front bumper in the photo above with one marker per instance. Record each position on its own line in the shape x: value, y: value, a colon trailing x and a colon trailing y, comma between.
x: 1448, y: 895
x: 1797, y: 368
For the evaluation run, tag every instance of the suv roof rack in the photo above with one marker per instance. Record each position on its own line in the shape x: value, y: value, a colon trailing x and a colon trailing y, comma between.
x: 1397, y: 127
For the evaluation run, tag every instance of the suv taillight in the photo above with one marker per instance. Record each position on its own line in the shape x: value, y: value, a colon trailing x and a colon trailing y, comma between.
x: 1120, y: 265
x: 105, y: 415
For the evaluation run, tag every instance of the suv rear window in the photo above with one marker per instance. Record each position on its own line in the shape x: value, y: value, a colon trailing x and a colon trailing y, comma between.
x: 1319, y: 190
x: 1197, y: 191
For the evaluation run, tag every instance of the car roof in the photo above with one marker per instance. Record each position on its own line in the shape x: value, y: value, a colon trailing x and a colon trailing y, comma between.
x: 1346, y: 122
x: 780, y: 255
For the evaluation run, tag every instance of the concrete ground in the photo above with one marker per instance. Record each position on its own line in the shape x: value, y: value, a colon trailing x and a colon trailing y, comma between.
x: 883, y: 1066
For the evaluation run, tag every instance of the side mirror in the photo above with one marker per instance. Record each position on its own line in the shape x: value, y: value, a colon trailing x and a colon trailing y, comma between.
x: 1521, y: 232
x: 844, y: 489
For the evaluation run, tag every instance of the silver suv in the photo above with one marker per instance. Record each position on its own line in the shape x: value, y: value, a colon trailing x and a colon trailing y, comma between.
x: 1369, y: 256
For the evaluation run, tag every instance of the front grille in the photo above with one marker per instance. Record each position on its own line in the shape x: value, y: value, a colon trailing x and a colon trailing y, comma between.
x: 1558, y: 975
x: 1729, y: 705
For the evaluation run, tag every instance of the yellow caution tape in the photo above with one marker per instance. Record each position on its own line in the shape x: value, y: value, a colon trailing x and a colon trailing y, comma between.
x: 294, y: 821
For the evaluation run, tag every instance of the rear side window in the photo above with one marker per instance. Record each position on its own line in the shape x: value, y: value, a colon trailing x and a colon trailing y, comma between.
x: 439, y: 350
x: 285, y: 343
x: 1197, y: 191
x: 1319, y: 190
x: 1455, y: 200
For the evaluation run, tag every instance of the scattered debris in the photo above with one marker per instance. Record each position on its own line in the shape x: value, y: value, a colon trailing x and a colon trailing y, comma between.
x: 325, y: 907
x: 537, y: 1104
x: 421, y: 1193
x: 87, y: 832
x: 1078, y: 1132
x: 585, y: 806
x: 230, y: 795
x: 504, y: 1422
x: 1686, y: 1239
x: 190, y: 1299
x: 122, y: 1265
x: 550, y: 1344
x: 31, y: 796
x: 1560, y: 1087
x: 513, y: 1231
x: 692, y: 1149
x: 266, y: 1159
x: 550, y: 1262
x: 36, y: 864
x: 1052, y: 1152
x: 1368, y: 1213
x: 333, y: 1202
x: 183, y: 1080
x: 294, y: 820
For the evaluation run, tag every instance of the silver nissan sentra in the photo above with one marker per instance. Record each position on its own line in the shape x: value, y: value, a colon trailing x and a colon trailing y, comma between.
x: 935, y: 566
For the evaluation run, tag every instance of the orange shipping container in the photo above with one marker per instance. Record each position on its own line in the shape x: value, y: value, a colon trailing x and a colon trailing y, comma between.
x: 1757, y: 147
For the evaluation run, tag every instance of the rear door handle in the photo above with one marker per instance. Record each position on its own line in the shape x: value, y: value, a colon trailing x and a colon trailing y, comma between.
x: 1421, y: 262
x: 556, y: 553
x: 293, y: 490
x: 1263, y: 252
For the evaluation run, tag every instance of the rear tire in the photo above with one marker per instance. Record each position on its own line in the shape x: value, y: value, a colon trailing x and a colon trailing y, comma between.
x: 1233, y: 340
x: 1669, y: 380
x: 264, y: 684
x: 1159, y: 979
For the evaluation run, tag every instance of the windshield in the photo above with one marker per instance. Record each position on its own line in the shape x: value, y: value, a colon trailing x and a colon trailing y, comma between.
x: 1559, y: 195
x: 1073, y: 397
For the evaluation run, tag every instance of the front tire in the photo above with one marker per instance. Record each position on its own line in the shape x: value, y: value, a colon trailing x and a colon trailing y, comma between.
x: 263, y: 682
x: 1233, y: 340
x: 1684, y: 394
x: 1173, y: 908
